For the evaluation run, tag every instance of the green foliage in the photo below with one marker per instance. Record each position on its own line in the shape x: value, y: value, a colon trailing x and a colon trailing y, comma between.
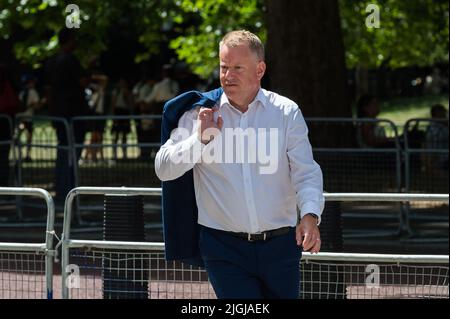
x: 399, y: 110
x: 35, y: 24
x: 198, y: 46
x: 410, y: 33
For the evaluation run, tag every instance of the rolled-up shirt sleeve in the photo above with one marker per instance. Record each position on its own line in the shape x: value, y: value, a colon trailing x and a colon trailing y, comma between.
x: 306, y: 174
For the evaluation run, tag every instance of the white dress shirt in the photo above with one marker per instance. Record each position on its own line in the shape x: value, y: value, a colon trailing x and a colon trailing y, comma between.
x: 163, y: 91
x: 236, y: 195
x: 32, y: 98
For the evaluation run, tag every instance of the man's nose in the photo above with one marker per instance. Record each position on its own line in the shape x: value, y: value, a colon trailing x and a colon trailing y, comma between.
x: 229, y: 75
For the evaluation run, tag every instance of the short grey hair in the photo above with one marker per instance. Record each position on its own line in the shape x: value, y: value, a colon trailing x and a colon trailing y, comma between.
x: 235, y: 38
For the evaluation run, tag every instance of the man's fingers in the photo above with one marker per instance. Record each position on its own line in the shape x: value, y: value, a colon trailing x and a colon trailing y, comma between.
x: 205, y: 113
x: 299, y: 236
x: 206, y: 110
x: 312, y: 242
x: 205, y: 116
x: 308, y: 242
x: 219, y: 122
x: 316, y: 248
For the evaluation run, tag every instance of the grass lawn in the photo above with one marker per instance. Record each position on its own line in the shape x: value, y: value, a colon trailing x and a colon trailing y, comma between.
x: 399, y: 110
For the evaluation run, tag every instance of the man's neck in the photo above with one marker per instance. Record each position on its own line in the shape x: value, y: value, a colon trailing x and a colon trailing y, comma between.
x: 243, y: 107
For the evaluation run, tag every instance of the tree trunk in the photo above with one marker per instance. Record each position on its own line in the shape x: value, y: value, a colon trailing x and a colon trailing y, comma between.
x: 305, y: 56
x: 362, y: 81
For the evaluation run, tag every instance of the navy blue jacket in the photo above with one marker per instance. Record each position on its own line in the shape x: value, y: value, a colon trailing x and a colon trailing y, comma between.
x: 179, y: 208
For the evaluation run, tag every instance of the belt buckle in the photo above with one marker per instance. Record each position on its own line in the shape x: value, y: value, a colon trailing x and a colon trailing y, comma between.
x: 249, y: 237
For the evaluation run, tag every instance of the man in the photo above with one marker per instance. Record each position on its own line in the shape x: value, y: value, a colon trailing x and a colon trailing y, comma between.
x: 31, y: 102
x: 436, y: 138
x: 66, y: 81
x: 9, y: 107
x: 164, y: 90
x: 249, y: 237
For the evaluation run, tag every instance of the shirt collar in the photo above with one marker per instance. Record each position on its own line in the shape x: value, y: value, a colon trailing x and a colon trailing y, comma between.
x: 260, y: 96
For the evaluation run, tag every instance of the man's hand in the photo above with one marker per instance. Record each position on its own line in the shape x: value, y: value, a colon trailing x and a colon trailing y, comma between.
x: 208, y: 128
x: 307, y: 234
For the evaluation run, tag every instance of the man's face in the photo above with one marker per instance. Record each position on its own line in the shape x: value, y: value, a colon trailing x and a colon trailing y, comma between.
x: 240, y: 73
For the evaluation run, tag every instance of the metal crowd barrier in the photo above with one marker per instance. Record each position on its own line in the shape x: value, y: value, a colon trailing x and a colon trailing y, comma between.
x: 426, y: 155
x: 116, y: 164
x: 382, y: 167
x: 349, y: 166
x: 374, y: 276
x: 6, y: 146
x: 65, y: 237
x: 426, y: 168
x: 50, y: 163
x: 7, y: 155
x: 58, y: 167
x: 20, y: 271
x: 114, y: 126
x: 175, y: 280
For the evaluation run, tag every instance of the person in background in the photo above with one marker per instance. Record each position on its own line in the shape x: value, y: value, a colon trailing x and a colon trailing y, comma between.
x: 30, y: 100
x: 97, y: 104
x: 164, y: 90
x: 141, y: 90
x: 370, y: 134
x: 9, y: 106
x: 66, y: 83
x: 436, y: 138
x: 122, y: 104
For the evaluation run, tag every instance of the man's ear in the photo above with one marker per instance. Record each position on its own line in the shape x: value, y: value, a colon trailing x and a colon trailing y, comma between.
x: 260, y: 69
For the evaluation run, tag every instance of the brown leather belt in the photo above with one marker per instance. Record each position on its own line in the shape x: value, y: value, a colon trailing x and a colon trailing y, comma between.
x: 263, y: 236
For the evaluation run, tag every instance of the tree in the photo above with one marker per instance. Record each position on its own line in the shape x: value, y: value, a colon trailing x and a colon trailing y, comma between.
x: 410, y: 33
x: 306, y: 61
x: 33, y: 25
x: 306, y: 55
x: 198, y: 44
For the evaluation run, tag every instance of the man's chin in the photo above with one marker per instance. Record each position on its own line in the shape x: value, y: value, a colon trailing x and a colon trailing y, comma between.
x: 231, y: 90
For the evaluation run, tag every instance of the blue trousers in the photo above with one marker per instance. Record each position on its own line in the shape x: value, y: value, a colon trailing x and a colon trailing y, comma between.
x: 239, y: 269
